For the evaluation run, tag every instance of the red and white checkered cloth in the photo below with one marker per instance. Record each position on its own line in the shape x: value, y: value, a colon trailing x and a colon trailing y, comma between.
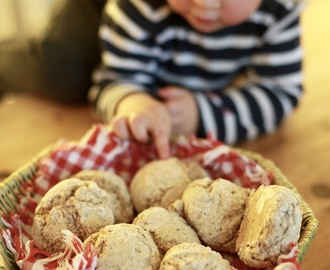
x: 101, y: 149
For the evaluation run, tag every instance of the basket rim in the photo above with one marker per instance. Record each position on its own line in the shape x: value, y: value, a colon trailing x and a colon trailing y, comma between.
x: 16, y: 178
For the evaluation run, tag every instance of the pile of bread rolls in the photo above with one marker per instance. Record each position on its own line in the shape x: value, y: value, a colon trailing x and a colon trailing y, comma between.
x: 172, y: 216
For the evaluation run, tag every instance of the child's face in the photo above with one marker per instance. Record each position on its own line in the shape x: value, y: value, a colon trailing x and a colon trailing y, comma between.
x: 211, y: 15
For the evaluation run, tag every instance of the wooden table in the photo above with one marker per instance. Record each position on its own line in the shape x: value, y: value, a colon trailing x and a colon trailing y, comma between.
x: 300, y: 148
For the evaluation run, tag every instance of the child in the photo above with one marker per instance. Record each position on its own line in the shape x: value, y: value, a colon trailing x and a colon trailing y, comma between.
x: 171, y: 67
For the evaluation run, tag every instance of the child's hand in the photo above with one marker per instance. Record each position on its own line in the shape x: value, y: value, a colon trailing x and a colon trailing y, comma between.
x: 138, y: 116
x: 182, y: 107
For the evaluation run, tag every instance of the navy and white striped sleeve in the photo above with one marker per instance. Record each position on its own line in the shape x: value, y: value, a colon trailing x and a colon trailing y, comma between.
x: 129, y: 61
x: 272, y: 90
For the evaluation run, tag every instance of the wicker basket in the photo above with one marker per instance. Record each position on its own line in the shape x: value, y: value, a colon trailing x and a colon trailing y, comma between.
x: 10, y: 189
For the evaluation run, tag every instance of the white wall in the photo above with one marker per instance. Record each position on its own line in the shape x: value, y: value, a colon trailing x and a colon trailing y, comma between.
x: 23, y: 17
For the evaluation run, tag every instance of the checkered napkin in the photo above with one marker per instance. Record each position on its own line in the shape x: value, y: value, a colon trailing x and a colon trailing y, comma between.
x: 101, y: 149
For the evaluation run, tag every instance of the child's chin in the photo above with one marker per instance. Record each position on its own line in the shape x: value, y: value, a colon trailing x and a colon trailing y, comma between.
x: 206, y: 26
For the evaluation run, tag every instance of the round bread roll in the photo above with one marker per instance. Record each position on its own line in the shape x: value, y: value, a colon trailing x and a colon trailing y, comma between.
x: 166, y: 228
x: 81, y: 207
x: 122, y: 206
x: 161, y: 182
x: 193, y: 256
x: 126, y: 247
x: 215, y: 209
x: 272, y: 222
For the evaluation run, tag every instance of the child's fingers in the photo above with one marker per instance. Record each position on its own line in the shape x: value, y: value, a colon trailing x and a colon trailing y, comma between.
x: 161, y: 138
x: 139, y: 128
x: 120, y: 127
x: 163, y: 147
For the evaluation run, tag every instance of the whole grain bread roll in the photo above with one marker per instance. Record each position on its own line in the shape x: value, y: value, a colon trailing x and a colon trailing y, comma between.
x: 161, y: 182
x: 193, y: 256
x: 271, y: 222
x: 81, y: 207
x: 122, y: 206
x: 126, y: 247
x: 215, y: 209
x: 167, y: 228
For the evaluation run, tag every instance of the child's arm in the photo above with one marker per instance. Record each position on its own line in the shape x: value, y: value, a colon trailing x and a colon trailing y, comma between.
x: 269, y: 93
x: 272, y: 90
x: 124, y: 84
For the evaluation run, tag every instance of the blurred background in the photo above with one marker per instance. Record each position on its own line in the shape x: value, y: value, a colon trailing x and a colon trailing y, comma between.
x: 23, y: 17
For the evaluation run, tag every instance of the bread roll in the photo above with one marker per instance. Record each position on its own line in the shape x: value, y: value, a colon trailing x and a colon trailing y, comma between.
x: 193, y: 256
x: 271, y: 222
x: 126, y: 247
x: 215, y: 209
x: 81, y: 207
x: 122, y: 206
x: 161, y: 182
x: 166, y: 228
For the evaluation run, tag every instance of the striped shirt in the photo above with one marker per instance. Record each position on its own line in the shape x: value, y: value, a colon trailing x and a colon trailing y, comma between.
x: 145, y: 46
